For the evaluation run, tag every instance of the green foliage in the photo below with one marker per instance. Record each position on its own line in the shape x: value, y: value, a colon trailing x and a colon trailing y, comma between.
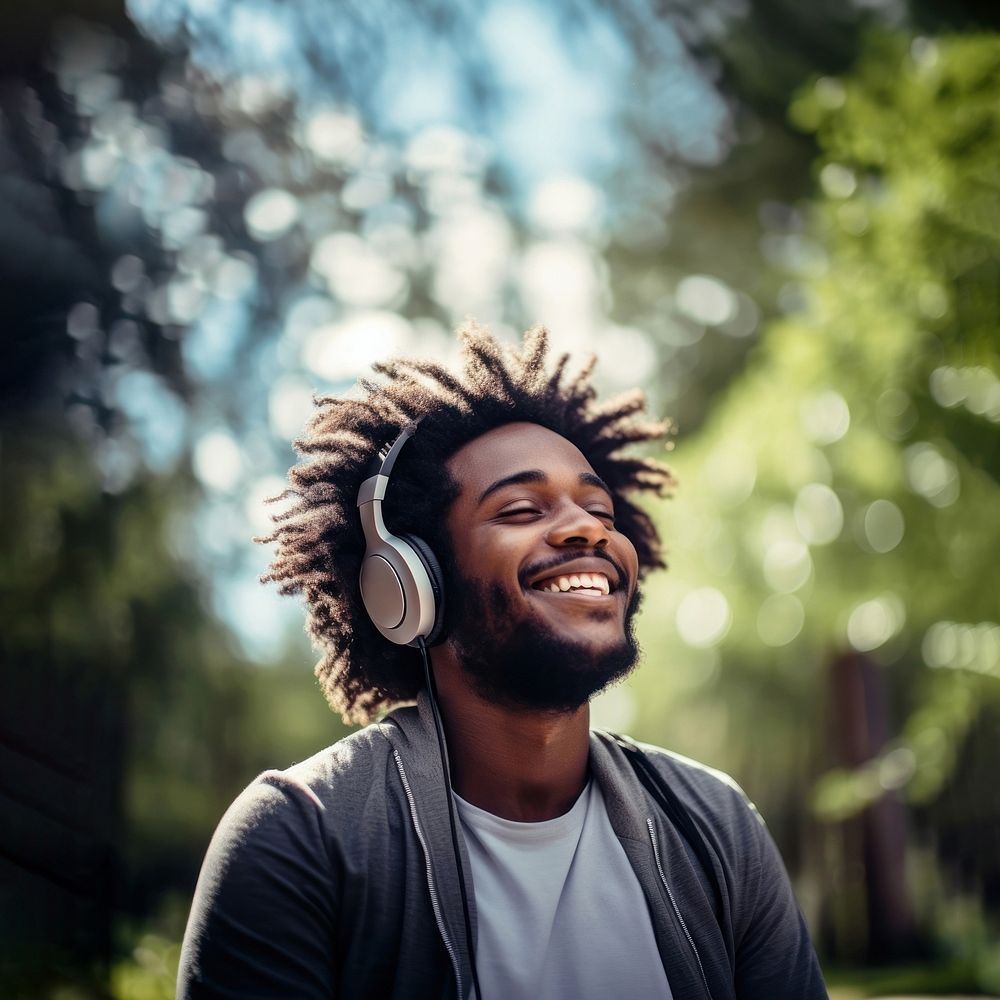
x: 129, y: 720
x: 843, y: 497
x: 149, y: 972
x: 865, y: 397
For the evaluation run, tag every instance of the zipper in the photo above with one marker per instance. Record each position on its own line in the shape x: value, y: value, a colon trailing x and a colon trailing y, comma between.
x: 673, y: 903
x: 431, y: 887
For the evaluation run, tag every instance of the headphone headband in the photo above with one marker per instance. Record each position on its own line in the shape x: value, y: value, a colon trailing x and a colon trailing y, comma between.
x: 374, y: 487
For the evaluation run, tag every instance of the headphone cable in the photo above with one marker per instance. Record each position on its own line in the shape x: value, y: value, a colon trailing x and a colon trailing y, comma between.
x: 439, y: 730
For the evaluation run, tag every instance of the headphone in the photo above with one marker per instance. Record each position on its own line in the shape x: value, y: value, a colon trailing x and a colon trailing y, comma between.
x: 402, y: 587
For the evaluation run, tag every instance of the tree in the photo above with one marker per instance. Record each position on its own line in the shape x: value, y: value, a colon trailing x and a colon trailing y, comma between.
x: 835, y: 542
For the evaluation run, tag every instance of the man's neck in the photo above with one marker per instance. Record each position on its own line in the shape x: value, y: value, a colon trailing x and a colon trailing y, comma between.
x: 522, y: 765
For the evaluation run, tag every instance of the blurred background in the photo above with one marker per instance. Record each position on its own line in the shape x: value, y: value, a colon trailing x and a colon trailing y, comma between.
x: 780, y: 219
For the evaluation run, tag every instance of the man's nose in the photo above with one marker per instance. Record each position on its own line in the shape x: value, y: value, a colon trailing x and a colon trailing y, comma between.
x: 576, y: 526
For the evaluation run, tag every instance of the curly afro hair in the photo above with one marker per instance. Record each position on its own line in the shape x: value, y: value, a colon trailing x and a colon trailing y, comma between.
x: 318, y: 537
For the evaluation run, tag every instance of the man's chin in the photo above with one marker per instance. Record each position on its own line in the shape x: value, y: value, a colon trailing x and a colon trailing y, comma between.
x: 533, y: 663
x: 539, y: 672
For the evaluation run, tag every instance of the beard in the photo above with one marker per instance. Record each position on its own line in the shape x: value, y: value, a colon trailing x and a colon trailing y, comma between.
x: 525, y: 664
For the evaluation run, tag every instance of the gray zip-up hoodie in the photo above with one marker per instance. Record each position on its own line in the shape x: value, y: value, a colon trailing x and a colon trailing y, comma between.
x: 337, y: 878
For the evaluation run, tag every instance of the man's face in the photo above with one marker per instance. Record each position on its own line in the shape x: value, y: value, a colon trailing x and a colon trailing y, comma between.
x: 542, y: 589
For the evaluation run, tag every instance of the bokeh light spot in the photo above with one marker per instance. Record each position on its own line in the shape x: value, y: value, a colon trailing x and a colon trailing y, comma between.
x: 975, y: 387
x: 706, y: 300
x: 627, y: 357
x: 343, y: 351
x: 269, y: 214
x: 472, y: 250
x: 873, y: 623
x: 830, y: 92
x: 218, y: 461
x: 895, y: 414
x: 335, y: 138
x: 234, y: 277
x: 780, y: 619
x: 290, y: 405
x: 931, y: 475
x: 883, y: 525
x: 825, y: 417
x: 837, y: 180
x: 564, y: 205
x: 703, y: 617
x: 82, y: 320
x: 787, y: 565
x: 957, y: 645
x: 731, y: 472
x: 819, y: 515
x: 355, y: 272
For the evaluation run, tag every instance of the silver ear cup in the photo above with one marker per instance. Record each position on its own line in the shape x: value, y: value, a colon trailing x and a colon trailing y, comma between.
x: 396, y: 588
x: 397, y: 591
x: 401, y: 582
x: 382, y: 592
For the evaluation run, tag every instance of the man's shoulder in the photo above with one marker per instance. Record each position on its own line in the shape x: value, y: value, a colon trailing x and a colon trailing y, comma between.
x: 712, y: 795
x: 671, y: 763
x: 334, y: 782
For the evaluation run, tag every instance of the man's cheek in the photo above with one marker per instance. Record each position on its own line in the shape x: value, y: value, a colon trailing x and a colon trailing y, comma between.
x: 500, y: 602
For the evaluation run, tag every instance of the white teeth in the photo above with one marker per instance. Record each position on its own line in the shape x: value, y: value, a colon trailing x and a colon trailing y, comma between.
x: 578, y: 581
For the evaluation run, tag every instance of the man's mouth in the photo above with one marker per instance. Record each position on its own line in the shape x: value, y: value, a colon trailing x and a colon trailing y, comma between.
x: 592, y: 584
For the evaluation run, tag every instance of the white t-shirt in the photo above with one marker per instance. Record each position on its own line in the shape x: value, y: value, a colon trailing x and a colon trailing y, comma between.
x: 561, y: 914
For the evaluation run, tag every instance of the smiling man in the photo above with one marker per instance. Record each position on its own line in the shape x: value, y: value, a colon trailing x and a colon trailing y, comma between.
x: 540, y: 566
x: 485, y: 842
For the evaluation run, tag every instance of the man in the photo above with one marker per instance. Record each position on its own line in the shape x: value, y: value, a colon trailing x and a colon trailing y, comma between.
x: 547, y: 863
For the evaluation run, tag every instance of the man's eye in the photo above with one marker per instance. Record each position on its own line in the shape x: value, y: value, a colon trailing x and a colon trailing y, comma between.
x: 518, y: 510
x: 606, y: 515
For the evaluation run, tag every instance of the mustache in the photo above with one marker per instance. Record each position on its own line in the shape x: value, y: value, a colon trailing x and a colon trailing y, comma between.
x: 567, y: 556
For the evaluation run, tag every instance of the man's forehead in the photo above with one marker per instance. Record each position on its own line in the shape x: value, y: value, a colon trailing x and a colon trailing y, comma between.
x: 511, y: 448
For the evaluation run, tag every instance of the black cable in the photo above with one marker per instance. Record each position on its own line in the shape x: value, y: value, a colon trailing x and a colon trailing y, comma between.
x: 439, y: 729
